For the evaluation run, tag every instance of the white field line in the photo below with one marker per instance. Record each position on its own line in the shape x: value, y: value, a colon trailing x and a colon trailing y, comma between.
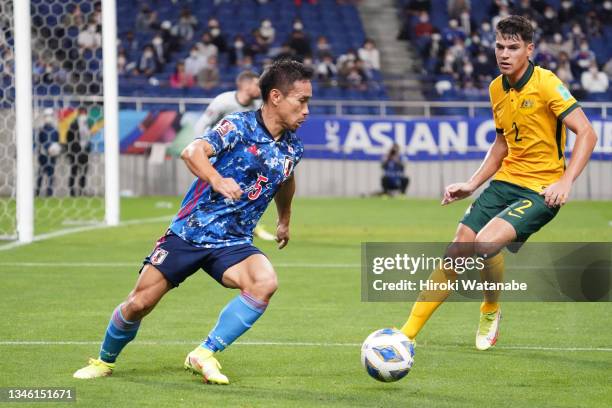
x: 281, y: 344
x: 61, y: 233
x: 131, y: 264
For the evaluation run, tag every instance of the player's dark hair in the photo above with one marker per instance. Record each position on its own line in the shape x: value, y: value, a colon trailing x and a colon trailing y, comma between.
x: 281, y: 75
x: 244, y: 75
x: 516, y: 26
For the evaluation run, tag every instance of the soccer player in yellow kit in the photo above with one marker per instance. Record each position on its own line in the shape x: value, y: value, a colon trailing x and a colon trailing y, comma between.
x: 531, y: 181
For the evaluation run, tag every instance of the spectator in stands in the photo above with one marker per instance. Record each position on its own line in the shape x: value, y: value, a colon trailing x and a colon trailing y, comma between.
x: 452, y: 32
x: 74, y: 17
x: 349, y: 56
x: 208, y: 77
x: 267, y: 32
x: 246, y: 63
x: 238, y: 50
x: 79, y: 147
x: 549, y: 22
x: 122, y: 62
x: 593, y: 80
x: 564, y: 68
x: 504, y: 11
x: 525, y: 9
x: 323, y: 46
x: 567, y: 12
x: 466, y: 23
x: 416, y: 6
x: 195, y: 62
x: 206, y: 48
x: 299, y: 41
x: 457, y: 7
x: 487, y: 35
x: 47, y: 148
x: 172, y: 43
x: 608, y: 68
x: 544, y: 57
x: 180, y: 79
x: 484, y: 69
x: 130, y: 45
x: 159, y: 49
x: 557, y: 46
x: 143, y: 19
x: 593, y: 24
x: 147, y: 65
x: 89, y: 37
x: 355, y: 76
x: 394, y: 179
x: 326, y: 71
x: 218, y: 38
x: 285, y: 52
x: 583, y: 58
x: 423, y: 28
x: 466, y: 71
x: 606, y: 12
x: 184, y: 28
x: 370, y: 55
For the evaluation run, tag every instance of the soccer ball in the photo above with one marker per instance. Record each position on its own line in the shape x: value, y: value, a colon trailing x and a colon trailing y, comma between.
x: 387, y: 355
x: 54, y: 149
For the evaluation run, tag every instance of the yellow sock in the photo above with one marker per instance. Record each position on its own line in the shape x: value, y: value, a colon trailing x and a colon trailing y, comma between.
x: 492, y: 272
x: 427, y: 303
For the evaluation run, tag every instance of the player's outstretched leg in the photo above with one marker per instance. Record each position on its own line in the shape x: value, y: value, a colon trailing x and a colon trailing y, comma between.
x: 257, y: 280
x: 125, y: 321
x: 489, y: 242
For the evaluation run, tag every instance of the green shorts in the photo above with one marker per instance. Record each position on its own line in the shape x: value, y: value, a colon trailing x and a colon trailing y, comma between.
x: 523, y: 208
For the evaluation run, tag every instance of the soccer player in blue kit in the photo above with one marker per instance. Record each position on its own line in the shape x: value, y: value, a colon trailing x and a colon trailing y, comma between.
x: 241, y: 164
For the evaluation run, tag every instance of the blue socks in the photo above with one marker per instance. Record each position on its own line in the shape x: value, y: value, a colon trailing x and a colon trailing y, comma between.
x: 118, y: 334
x: 235, y: 319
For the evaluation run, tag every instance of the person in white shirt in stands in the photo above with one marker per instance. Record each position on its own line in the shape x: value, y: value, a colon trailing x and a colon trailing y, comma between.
x: 370, y: 55
x: 593, y: 80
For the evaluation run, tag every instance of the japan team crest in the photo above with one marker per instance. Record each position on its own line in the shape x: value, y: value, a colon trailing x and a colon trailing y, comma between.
x: 224, y: 127
x: 158, y: 256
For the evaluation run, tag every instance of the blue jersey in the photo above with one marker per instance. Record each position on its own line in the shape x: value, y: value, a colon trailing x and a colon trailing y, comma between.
x: 245, y: 151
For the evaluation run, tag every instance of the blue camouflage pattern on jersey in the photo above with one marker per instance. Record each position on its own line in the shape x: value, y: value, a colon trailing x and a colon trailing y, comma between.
x: 245, y: 151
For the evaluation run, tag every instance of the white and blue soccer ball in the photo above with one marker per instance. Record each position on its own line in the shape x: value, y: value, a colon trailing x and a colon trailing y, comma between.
x: 387, y: 355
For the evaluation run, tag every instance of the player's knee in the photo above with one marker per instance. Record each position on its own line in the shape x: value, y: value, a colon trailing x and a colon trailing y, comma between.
x: 484, y: 247
x: 138, y: 305
x: 265, y: 285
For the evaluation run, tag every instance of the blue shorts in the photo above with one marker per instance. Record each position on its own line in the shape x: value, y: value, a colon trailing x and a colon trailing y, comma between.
x: 177, y: 259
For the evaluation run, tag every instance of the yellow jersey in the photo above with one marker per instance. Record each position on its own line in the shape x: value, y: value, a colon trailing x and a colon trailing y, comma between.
x: 530, y: 116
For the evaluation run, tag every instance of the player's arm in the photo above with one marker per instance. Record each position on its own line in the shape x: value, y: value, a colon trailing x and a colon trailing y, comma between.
x: 196, y: 157
x: 557, y: 193
x: 490, y: 165
x: 283, y: 198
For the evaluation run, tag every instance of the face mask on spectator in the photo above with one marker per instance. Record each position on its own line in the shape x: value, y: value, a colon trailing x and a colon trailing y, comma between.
x: 148, y: 54
x: 266, y: 24
x: 436, y: 37
x: 298, y: 26
x: 558, y: 38
x: 576, y: 30
x: 468, y: 69
x: 584, y: 47
x: 157, y: 41
x: 452, y: 23
x: 193, y: 54
x: 593, y: 70
x: 215, y: 32
x: 476, y: 39
x: 91, y: 28
x: 238, y: 44
x: 566, y: 4
x: 549, y: 13
x: 424, y: 18
x: 482, y: 59
x: 486, y: 27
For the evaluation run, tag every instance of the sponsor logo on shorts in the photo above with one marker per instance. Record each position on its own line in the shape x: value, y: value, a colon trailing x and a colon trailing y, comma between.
x: 158, y: 257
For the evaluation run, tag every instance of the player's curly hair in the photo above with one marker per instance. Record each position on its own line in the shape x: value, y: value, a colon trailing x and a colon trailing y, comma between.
x: 281, y: 75
x: 516, y: 26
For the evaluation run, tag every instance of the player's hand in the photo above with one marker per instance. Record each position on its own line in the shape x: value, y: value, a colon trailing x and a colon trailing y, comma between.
x: 282, y: 235
x: 227, y: 187
x: 557, y: 193
x: 456, y: 192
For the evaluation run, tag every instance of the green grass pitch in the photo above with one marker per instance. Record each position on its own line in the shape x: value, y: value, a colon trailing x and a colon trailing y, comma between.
x: 305, y: 349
